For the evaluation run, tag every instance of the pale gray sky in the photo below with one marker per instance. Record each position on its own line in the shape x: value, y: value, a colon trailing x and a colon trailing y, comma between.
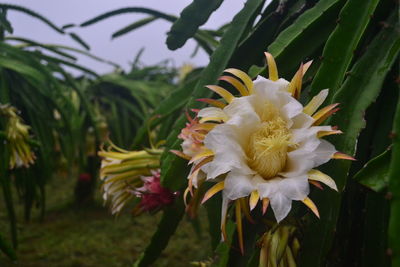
x: 121, y: 50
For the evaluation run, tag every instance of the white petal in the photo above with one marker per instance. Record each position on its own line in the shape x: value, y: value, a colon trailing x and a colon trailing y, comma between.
x: 262, y: 83
x: 241, y: 114
x: 292, y: 109
x: 295, y: 188
x: 302, y: 120
x: 323, y: 153
x: 298, y: 162
x: 267, y: 188
x: 240, y: 105
x: 316, y: 102
x: 281, y: 206
x: 212, y: 112
x: 224, y: 210
x: 224, y: 141
x: 300, y: 135
x: 238, y: 185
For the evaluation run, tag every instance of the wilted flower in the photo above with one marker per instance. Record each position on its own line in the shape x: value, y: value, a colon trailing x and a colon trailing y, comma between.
x: 152, y: 194
x: 17, y: 135
x: 264, y: 144
x: 122, y: 171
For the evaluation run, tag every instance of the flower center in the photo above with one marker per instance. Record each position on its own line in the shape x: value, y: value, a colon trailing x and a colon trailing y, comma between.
x: 268, y: 146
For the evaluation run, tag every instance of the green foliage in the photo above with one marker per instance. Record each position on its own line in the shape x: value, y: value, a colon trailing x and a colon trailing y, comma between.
x: 189, y: 21
x: 394, y: 192
x: 359, y: 90
x: 133, y: 26
x: 5, y: 23
x: 354, y: 45
x: 204, y: 38
x: 374, y: 175
x: 341, y: 44
x: 305, y: 36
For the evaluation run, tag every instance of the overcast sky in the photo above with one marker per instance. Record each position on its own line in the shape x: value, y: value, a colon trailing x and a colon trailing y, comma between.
x: 121, y: 50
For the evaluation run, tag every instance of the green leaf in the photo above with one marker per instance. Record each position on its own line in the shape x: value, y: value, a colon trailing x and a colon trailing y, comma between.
x: 175, y: 101
x: 125, y: 10
x: 133, y: 26
x: 166, y: 228
x: 201, y: 40
x: 32, y: 14
x: 32, y: 74
x: 303, y: 38
x: 251, y: 49
x: 338, y: 51
x: 305, y: 35
x: 224, y: 247
x: 5, y: 25
x: 79, y: 40
x: 374, y: 175
x: 213, y: 207
x: 191, y: 18
x: 356, y: 94
x: 375, y: 232
x: 7, y: 195
x: 28, y: 42
x: 394, y: 189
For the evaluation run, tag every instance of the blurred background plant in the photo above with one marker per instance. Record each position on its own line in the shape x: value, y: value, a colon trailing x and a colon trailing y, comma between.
x: 354, y: 45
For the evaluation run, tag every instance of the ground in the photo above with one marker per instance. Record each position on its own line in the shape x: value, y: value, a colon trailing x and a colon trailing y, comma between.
x: 89, y: 236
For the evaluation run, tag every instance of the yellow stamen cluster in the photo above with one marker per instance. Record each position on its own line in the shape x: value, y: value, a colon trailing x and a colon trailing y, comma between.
x: 267, y: 148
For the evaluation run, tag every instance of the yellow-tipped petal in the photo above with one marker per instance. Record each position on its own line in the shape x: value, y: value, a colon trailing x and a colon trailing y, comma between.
x: 296, y: 83
x: 340, y: 155
x: 187, y: 190
x: 213, y: 190
x: 212, y: 102
x: 204, y: 126
x: 324, y: 113
x: 222, y: 92
x: 244, y: 77
x: 180, y: 154
x: 265, y: 203
x: 238, y: 212
x: 131, y: 175
x: 219, y: 119
x: 202, y: 154
x: 253, y: 200
x: 235, y: 83
x: 319, y: 176
x: 306, y: 66
x: 316, y: 102
x: 308, y: 202
x: 272, y: 69
x: 326, y: 133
